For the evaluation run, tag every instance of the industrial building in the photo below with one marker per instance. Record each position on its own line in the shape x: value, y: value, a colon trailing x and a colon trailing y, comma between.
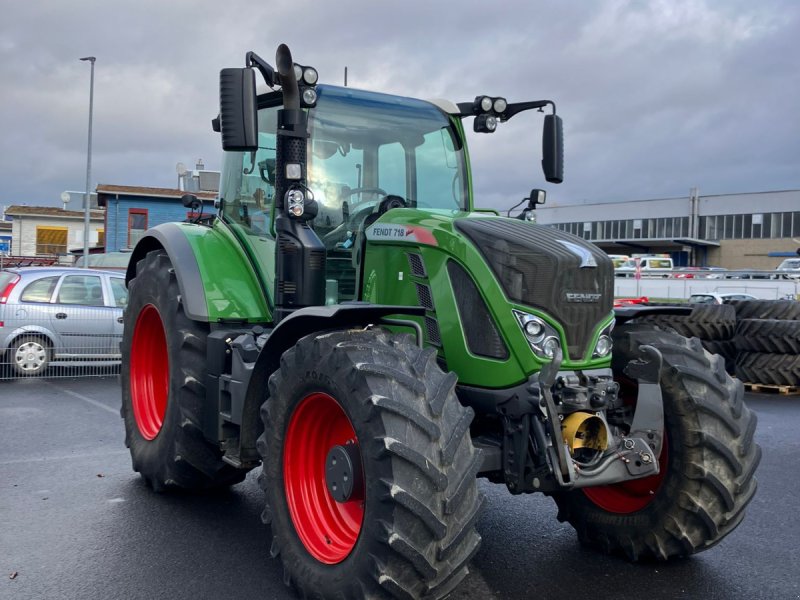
x: 734, y: 231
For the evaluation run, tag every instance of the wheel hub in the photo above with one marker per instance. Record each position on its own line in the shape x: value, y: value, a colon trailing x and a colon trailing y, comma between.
x: 343, y: 474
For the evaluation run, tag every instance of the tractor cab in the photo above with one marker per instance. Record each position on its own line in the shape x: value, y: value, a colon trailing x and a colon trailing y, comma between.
x: 368, y: 153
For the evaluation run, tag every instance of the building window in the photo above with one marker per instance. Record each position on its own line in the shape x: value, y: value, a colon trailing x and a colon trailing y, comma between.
x: 137, y: 225
x: 51, y: 240
x: 787, y: 225
x: 101, y: 237
x: 727, y: 233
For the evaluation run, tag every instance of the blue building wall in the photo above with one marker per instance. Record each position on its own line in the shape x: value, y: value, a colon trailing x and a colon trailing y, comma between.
x: 159, y: 210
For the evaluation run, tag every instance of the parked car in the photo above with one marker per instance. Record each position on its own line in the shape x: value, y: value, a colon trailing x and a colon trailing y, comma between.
x: 59, y: 315
x: 789, y: 268
x: 714, y: 298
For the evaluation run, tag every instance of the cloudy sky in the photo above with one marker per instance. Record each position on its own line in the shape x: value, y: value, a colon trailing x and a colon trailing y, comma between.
x: 656, y: 97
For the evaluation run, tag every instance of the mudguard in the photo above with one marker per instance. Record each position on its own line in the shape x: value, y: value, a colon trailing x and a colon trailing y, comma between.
x: 216, y: 279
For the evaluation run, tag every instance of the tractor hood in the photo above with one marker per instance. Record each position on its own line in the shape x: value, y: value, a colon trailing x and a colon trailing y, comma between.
x: 542, y: 267
x: 536, y: 266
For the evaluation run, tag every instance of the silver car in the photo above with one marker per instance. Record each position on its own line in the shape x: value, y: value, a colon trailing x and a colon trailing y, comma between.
x: 59, y: 315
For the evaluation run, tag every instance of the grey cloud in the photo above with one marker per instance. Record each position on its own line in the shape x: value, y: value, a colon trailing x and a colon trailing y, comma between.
x: 657, y: 97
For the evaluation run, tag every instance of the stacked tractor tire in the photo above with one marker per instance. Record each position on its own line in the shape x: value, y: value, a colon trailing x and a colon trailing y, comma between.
x: 759, y: 339
x: 767, y: 341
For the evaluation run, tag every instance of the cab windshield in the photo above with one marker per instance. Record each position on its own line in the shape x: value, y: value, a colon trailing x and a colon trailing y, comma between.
x: 366, y: 146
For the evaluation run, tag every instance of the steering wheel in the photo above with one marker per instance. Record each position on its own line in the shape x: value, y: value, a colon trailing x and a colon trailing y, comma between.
x: 364, y: 190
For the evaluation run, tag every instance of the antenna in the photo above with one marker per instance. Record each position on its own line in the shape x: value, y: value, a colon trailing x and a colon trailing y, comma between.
x: 345, y: 76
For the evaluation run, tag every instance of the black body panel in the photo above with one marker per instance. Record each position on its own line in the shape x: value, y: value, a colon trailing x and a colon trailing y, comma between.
x: 558, y: 273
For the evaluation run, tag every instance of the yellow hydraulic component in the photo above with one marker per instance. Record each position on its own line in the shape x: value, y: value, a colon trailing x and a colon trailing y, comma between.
x: 584, y: 430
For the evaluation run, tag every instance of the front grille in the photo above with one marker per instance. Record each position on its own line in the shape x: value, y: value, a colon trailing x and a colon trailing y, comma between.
x: 539, y: 266
x: 482, y: 336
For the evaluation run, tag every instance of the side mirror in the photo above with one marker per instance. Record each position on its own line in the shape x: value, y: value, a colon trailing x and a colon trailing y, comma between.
x: 553, y: 149
x: 189, y: 200
x: 536, y: 197
x: 238, y: 116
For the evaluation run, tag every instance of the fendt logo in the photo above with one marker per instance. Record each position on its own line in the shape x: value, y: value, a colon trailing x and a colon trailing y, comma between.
x: 400, y: 233
x: 583, y: 297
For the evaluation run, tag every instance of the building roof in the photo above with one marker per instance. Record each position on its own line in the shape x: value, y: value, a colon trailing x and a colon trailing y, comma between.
x: 151, y: 192
x: 50, y: 211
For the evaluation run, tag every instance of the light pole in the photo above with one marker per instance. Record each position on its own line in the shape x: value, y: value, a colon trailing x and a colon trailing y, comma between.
x: 87, y: 196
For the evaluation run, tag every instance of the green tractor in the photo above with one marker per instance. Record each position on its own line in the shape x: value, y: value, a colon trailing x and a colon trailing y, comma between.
x: 352, y: 324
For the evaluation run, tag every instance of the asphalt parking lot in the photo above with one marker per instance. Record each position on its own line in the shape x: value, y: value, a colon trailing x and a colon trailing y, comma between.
x: 77, y: 522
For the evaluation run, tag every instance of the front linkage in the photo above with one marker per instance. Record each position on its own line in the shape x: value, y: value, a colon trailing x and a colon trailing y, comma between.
x: 564, y: 430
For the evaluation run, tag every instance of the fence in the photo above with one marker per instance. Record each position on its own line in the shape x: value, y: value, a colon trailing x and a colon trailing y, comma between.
x: 59, y: 340
x: 681, y: 288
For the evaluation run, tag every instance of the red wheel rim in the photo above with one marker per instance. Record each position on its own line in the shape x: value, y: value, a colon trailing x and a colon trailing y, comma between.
x: 328, y: 529
x: 630, y: 496
x: 149, y: 372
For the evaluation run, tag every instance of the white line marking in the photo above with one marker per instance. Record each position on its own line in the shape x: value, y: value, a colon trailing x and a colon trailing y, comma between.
x: 41, y: 459
x: 114, y: 411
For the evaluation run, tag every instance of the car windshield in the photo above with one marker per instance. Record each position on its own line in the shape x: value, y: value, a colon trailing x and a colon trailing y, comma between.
x: 790, y: 263
x: 701, y: 299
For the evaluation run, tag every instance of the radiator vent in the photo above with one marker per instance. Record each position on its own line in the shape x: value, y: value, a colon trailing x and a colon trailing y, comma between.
x: 424, y: 296
x: 432, y: 331
x: 417, y: 265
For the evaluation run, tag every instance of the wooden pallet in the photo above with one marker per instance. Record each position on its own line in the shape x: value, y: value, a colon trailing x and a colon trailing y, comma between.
x: 784, y: 390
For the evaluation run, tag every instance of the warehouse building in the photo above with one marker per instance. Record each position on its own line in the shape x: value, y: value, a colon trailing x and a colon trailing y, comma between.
x: 734, y: 231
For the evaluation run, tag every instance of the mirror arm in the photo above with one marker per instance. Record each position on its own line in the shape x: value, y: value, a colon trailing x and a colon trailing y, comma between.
x: 251, y: 59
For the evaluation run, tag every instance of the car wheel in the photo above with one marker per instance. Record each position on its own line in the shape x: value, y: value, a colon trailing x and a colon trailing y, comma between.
x: 29, y: 356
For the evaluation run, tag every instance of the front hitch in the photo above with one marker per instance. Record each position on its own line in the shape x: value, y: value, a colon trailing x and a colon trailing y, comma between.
x: 627, y: 457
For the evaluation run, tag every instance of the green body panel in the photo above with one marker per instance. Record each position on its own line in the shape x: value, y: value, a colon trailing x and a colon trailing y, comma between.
x: 232, y: 289
x: 388, y: 280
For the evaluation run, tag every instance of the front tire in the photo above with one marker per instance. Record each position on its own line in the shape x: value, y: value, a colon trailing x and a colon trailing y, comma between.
x: 707, y: 464
x: 410, y: 530
x: 163, y: 390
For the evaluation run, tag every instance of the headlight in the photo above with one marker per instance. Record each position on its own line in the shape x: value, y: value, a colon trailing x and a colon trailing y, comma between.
x: 309, y: 96
x: 534, y: 330
x: 486, y: 104
x: 295, y: 200
x: 500, y: 105
x: 604, y: 344
x: 542, y: 337
x: 310, y: 75
x: 550, y: 347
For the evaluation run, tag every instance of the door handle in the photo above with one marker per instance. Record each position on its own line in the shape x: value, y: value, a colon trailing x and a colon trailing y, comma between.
x: 61, y: 315
x: 120, y: 319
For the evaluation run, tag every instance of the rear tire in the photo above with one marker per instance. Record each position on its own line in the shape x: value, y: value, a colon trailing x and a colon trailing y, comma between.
x: 707, y: 476
x: 163, y: 390
x: 29, y: 356
x: 414, y: 531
